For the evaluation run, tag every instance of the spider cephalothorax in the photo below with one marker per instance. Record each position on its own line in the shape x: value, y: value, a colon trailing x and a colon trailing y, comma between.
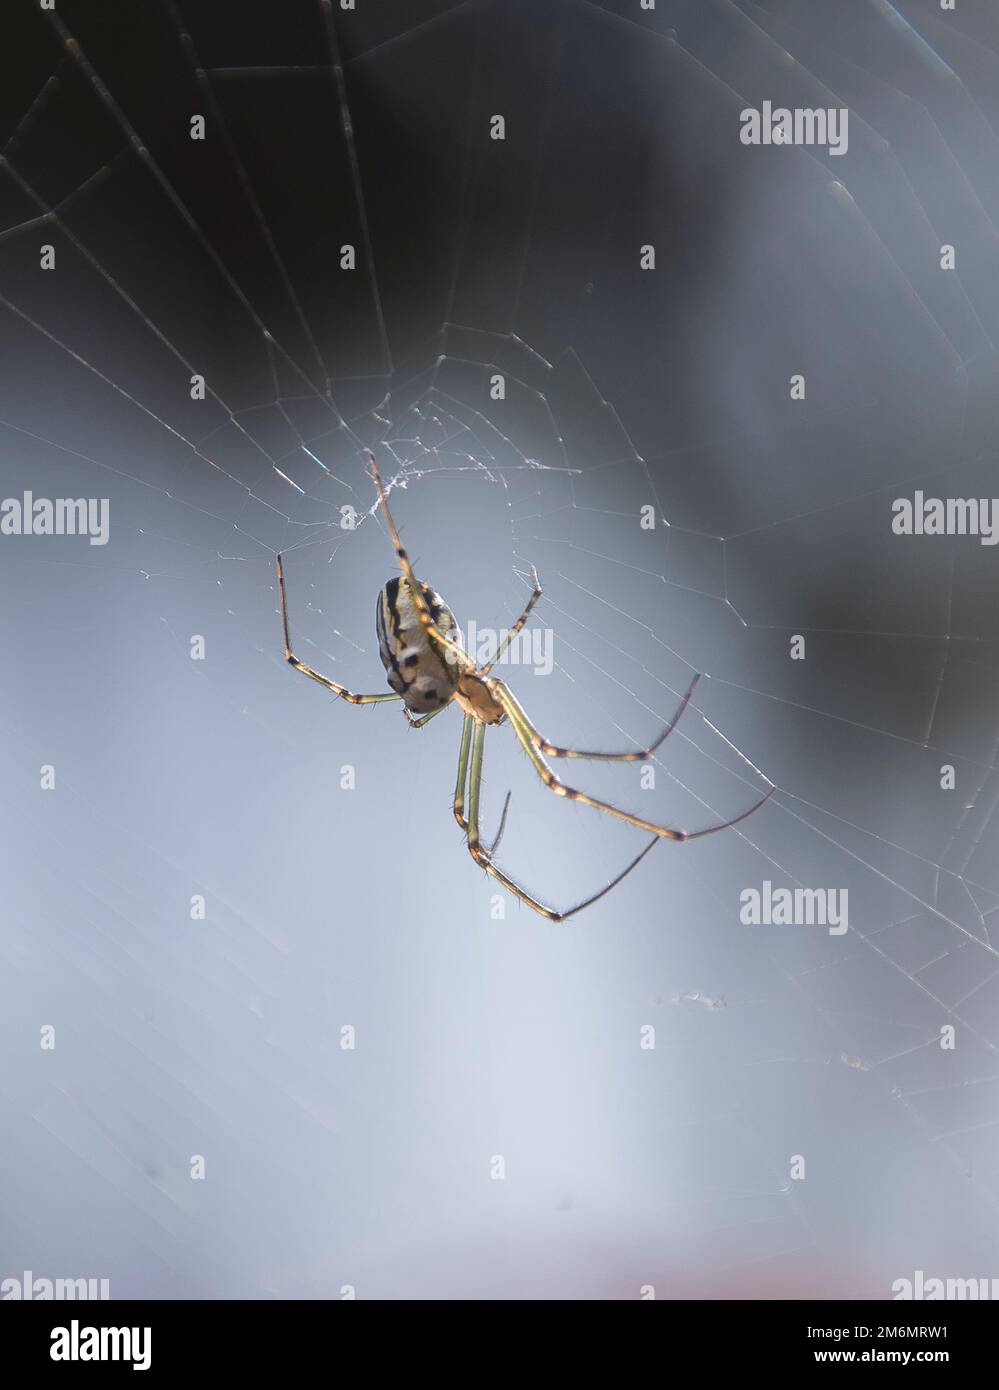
x: 427, y: 668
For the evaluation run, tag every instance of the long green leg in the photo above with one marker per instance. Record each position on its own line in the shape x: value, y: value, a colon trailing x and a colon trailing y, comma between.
x: 475, y: 783
x: 459, y: 790
x: 483, y: 856
x: 459, y: 786
x: 478, y: 851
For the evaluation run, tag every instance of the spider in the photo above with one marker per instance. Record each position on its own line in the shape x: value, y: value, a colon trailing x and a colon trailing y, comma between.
x: 429, y: 670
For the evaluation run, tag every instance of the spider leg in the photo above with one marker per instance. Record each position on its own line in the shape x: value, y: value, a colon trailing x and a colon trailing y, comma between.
x: 459, y: 786
x: 532, y: 741
x: 633, y: 756
x: 293, y: 660
x: 424, y: 718
x: 443, y: 643
x: 483, y: 856
x: 459, y: 790
x: 511, y: 635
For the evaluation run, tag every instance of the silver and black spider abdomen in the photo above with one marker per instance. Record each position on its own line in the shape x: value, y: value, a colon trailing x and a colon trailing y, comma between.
x: 416, y: 670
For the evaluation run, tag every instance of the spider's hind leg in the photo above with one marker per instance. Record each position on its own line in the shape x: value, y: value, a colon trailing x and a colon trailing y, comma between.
x: 638, y: 755
x: 532, y: 741
x: 459, y: 790
x: 483, y: 857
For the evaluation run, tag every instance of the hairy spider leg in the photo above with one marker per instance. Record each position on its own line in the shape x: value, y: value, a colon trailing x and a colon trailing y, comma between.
x: 337, y: 689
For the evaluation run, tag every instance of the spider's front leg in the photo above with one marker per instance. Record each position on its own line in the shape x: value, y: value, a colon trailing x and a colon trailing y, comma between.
x: 440, y: 640
x: 511, y: 636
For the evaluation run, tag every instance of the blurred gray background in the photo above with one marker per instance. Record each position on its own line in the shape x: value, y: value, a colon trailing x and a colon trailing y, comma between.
x: 479, y: 1035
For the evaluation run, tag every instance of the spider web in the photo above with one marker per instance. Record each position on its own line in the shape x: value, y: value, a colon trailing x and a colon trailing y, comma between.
x: 485, y: 265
